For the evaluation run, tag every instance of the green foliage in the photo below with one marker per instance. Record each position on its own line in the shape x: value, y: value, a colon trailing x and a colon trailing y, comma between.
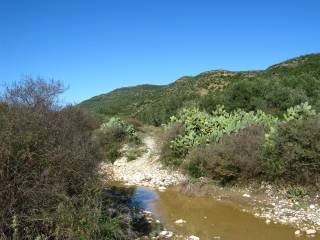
x: 304, y: 110
x: 120, y: 129
x: 273, y: 90
x: 113, y: 134
x: 83, y: 218
x: 201, y: 127
x: 235, y: 157
x: 296, y: 192
x: 112, y: 151
x: 172, y: 131
x: 134, y: 152
x: 295, y: 155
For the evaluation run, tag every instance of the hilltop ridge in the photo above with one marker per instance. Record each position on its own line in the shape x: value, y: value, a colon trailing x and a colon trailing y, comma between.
x: 154, y: 104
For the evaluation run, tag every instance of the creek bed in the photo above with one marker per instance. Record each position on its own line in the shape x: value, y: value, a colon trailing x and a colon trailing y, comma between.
x: 208, y: 218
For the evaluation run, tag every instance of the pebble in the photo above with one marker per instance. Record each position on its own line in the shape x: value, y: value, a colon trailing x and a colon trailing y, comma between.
x: 268, y: 221
x: 166, y: 234
x: 193, y: 238
x: 298, y: 232
x: 180, y: 221
x: 162, y: 189
x: 246, y: 195
x: 145, y: 170
x: 311, y: 231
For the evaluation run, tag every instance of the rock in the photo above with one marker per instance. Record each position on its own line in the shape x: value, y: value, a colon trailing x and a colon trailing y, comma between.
x: 268, y: 221
x: 147, y: 212
x: 312, y: 206
x: 246, y: 195
x: 311, y: 231
x: 162, y: 189
x: 298, y: 232
x: 193, y: 238
x: 166, y: 234
x: 180, y: 221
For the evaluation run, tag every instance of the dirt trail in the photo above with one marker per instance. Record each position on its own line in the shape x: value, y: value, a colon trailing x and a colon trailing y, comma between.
x: 146, y: 170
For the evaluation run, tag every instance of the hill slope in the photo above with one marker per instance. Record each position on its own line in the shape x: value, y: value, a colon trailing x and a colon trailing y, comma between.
x: 273, y: 90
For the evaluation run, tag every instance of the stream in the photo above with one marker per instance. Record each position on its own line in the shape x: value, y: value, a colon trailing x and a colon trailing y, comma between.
x: 208, y: 218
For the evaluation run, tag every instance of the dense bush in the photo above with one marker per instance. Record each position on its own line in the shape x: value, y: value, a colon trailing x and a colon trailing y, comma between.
x: 168, y: 155
x: 273, y: 92
x: 244, y: 145
x: 48, y: 169
x: 235, y: 157
x: 295, y: 153
x: 113, y: 134
x: 201, y: 127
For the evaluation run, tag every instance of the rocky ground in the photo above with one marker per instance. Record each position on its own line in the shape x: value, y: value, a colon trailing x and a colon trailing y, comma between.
x: 146, y: 170
x: 302, y: 213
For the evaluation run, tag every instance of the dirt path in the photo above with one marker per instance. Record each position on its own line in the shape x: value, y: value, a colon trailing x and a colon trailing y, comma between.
x: 146, y: 170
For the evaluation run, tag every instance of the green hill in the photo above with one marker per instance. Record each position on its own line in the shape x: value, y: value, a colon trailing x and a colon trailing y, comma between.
x: 272, y: 90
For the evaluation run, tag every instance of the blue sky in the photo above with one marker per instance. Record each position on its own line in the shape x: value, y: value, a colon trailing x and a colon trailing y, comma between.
x: 94, y: 46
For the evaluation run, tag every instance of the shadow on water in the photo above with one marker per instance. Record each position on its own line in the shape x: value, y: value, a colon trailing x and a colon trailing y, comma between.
x: 118, y: 203
x: 208, y: 218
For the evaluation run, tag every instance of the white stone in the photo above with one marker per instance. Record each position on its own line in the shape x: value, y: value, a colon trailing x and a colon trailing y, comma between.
x: 312, y: 206
x: 268, y: 221
x: 298, y: 232
x: 166, y: 234
x: 180, y: 221
x: 147, y: 212
x: 246, y: 195
x: 162, y: 188
x: 193, y: 238
x: 311, y: 231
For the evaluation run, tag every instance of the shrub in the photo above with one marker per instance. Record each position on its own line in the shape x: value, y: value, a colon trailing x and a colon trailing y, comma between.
x: 113, y: 134
x: 112, y: 151
x: 304, y: 110
x: 201, y: 127
x: 295, y: 155
x: 235, y: 157
x: 47, y: 155
x: 167, y: 154
x: 49, y: 161
x: 296, y: 192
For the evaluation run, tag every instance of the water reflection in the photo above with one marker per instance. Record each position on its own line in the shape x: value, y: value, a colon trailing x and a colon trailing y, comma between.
x: 208, y: 218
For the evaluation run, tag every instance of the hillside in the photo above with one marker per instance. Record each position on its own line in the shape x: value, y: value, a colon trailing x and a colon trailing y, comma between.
x: 273, y: 90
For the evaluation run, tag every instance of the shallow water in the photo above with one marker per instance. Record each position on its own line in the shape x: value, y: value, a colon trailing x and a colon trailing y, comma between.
x: 208, y: 218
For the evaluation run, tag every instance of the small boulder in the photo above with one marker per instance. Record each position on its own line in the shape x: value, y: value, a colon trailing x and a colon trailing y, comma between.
x: 246, y: 195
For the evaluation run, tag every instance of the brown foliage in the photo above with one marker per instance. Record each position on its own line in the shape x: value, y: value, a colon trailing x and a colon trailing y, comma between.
x: 235, y: 157
x: 168, y: 156
x: 46, y: 156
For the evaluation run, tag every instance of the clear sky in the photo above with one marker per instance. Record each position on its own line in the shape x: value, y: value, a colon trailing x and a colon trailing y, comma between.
x: 94, y: 46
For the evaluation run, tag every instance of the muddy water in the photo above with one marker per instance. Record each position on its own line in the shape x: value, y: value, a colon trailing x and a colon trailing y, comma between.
x: 209, y: 219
